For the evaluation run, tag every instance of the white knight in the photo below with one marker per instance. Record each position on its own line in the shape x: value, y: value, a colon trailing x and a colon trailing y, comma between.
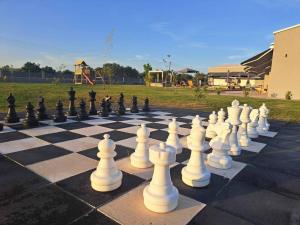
x: 252, y: 126
x: 245, y: 119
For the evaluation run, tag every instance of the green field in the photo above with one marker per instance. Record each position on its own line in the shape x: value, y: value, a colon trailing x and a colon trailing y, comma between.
x: 162, y: 97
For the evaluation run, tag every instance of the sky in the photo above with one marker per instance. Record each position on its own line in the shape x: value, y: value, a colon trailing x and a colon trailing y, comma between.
x: 195, y: 33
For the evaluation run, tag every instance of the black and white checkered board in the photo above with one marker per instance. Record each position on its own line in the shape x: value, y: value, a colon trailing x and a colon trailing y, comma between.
x: 65, y: 154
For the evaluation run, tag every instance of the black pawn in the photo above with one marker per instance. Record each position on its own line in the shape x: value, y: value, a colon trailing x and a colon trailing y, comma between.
x: 1, y: 126
x: 93, y: 110
x: 108, y: 102
x: 82, y: 115
x: 134, y: 107
x: 41, y: 109
x: 59, y: 113
x: 121, y: 107
x: 146, y: 107
x: 30, y: 119
x: 11, y: 116
x: 104, y: 109
x: 72, y: 98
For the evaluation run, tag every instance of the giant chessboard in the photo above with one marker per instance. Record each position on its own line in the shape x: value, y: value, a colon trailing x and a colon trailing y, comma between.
x: 45, y: 176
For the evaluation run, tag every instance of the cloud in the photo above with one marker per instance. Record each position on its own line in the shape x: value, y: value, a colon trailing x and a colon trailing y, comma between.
x: 241, y: 54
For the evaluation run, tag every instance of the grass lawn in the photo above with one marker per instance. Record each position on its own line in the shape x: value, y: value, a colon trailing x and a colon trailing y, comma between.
x: 163, y: 97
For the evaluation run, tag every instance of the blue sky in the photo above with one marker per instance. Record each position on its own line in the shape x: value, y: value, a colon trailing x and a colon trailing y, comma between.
x: 196, y: 34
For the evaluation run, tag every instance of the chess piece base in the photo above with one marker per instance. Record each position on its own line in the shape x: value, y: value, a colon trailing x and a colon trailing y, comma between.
x: 103, y: 184
x: 220, y: 162
x: 161, y: 204
x: 235, y: 150
x: 194, y: 180
x: 140, y: 162
x: 244, y: 141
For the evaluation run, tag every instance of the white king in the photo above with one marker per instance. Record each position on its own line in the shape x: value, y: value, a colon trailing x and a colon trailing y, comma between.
x: 140, y: 157
x: 106, y: 177
x: 196, y: 174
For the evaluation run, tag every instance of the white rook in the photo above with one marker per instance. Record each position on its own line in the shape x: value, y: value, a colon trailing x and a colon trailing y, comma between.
x: 173, y: 139
x: 106, y: 177
x: 140, y: 157
x: 160, y: 195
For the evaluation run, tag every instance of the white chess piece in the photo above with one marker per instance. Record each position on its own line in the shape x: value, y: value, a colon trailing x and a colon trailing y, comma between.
x: 173, y: 139
x: 234, y: 113
x: 140, y: 157
x: 160, y: 195
x: 196, y: 174
x: 263, y: 125
x: 219, y: 157
x: 252, y: 126
x: 210, y: 130
x: 244, y: 139
x: 221, y: 116
x: 106, y: 177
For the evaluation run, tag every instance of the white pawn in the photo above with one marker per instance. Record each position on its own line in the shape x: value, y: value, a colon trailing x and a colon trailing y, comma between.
x: 221, y: 116
x: 245, y: 119
x: 160, y: 195
x: 196, y: 174
x: 219, y: 157
x: 173, y: 139
x: 140, y: 157
x: 106, y: 177
x: 252, y: 126
x: 210, y: 130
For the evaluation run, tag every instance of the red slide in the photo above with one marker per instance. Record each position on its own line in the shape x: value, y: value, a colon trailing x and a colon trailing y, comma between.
x: 87, y: 77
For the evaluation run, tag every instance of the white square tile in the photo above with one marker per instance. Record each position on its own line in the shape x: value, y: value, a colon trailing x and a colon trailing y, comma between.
x: 166, y: 122
x: 133, y: 130
x: 131, y: 142
x: 164, y: 117
x: 89, y: 131
x: 134, y: 116
x: 129, y: 209
x: 42, y: 130
x: 254, y: 147
x: 63, y: 167
x: 181, y: 130
x: 98, y: 121
x: 6, y: 129
x: 22, y: 144
x: 192, y: 117
x: 160, y: 113
x: 135, y: 122
x: 79, y: 144
x: 269, y: 134
x: 52, y: 123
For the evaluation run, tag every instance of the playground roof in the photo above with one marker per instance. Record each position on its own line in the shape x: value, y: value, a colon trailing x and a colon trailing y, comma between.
x: 80, y: 62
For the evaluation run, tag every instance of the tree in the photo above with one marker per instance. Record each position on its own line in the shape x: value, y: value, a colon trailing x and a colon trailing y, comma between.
x: 147, y: 68
x: 5, y: 69
x: 48, y: 69
x: 31, y: 67
x: 67, y: 71
x: 200, y: 76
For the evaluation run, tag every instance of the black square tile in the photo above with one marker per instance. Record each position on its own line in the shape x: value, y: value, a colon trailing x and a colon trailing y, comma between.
x: 12, y: 136
x: 205, y: 194
x: 16, y: 179
x: 153, y: 120
x: 257, y: 205
x: 245, y: 156
x: 213, y: 216
x: 73, y: 126
x: 39, y: 154
x: 115, y: 135
x: 116, y: 125
x: 118, y: 118
x: 47, y: 205
x: 183, y: 120
x: 121, y: 151
x: 94, y: 218
x: 187, y: 125
x: 157, y: 125
x: 159, y: 135
x: 20, y: 126
x: 80, y: 186
x: 183, y: 156
x: 60, y: 137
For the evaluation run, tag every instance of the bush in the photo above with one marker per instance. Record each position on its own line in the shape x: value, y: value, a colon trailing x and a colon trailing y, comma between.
x: 218, y: 90
x: 200, y: 92
x: 288, y: 95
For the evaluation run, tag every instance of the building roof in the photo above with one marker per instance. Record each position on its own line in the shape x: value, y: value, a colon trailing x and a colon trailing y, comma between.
x: 288, y: 28
x: 226, y: 68
x: 80, y: 62
x: 187, y: 70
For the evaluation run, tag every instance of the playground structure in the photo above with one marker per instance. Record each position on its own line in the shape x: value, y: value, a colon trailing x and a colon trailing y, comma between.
x: 82, y: 73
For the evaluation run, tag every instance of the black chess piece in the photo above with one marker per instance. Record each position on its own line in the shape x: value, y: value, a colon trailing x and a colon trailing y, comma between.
x: 104, y: 109
x: 72, y: 98
x: 134, y: 107
x: 108, y: 102
x: 30, y: 119
x: 82, y: 115
x: 11, y: 116
x: 59, y: 113
x: 41, y: 109
x: 93, y: 110
x: 146, y: 107
x: 121, y: 107
x: 1, y: 127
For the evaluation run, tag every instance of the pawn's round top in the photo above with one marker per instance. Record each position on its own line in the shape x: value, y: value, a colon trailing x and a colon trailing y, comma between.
x: 106, y: 145
x: 196, y: 121
x: 173, y: 124
x: 222, y: 113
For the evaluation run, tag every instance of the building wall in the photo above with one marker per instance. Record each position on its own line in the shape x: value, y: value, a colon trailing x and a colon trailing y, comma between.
x: 226, y: 68
x: 285, y: 72
x: 222, y: 82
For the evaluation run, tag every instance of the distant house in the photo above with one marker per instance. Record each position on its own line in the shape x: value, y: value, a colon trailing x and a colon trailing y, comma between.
x: 280, y: 64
